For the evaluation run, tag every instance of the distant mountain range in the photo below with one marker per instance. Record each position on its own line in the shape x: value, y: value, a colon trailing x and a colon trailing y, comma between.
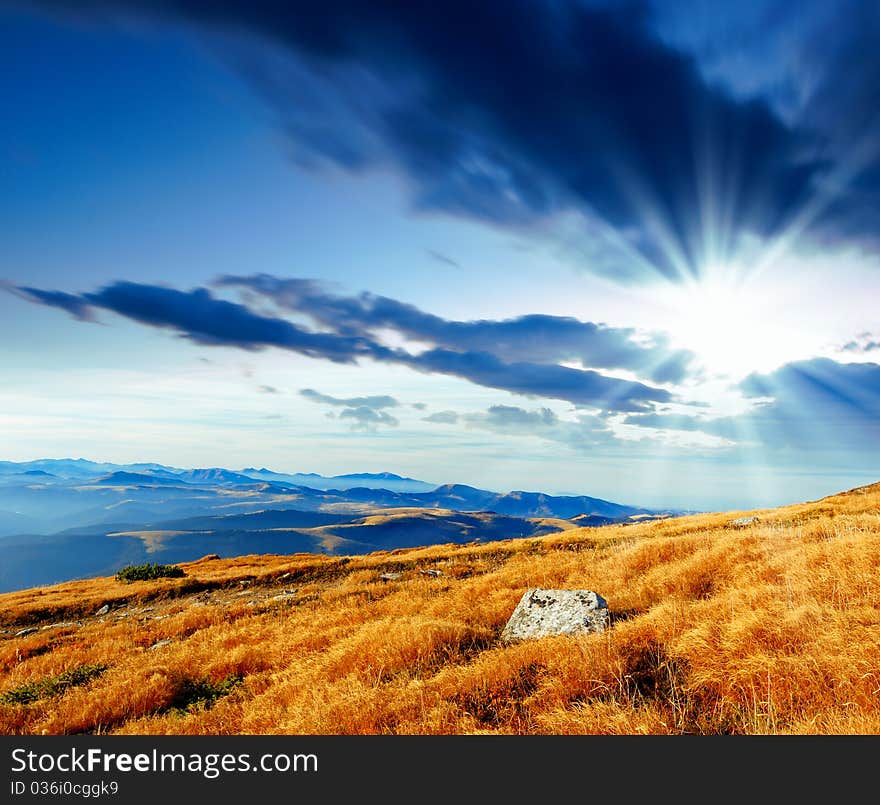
x: 67, y: 518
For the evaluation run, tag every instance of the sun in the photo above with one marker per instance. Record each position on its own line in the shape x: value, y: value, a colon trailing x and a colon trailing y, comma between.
x: 731, y: 324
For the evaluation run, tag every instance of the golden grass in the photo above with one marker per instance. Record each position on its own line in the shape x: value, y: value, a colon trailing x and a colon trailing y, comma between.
x: 770, y: 627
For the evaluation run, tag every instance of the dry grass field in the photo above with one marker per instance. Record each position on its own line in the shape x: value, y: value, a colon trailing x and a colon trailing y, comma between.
x: 771, y: 626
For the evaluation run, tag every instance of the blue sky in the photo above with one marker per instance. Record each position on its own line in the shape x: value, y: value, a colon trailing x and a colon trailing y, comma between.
x: 581, y: 247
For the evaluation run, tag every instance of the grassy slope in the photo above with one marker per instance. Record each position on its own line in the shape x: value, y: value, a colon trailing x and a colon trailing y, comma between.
x: 769, y: 627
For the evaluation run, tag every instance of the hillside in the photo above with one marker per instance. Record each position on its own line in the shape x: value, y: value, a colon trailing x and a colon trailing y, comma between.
x: 76, y: 553
x: 721, y: 624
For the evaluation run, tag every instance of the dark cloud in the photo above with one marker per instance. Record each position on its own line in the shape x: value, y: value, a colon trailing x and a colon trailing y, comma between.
x: 509, y: 112
x: 375, y: 402
x: 442, y: 417
x: 818, y: 64
x: 535, y: 338
x: 75, y: 305
x: 582, y: 387
x: 204, y: 319
x: 201, y: 317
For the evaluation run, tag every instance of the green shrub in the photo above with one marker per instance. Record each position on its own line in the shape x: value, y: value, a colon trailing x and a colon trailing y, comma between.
x: 146, y: 572
x: 53, y: 685
x: 195, y: 693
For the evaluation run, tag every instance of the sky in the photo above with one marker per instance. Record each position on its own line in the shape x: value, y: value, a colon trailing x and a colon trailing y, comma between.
x: 623, y: 249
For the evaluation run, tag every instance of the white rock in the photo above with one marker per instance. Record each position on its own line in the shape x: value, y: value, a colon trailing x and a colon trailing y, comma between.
x: 166, y: 642
x: 103, y: 610
x: 390, y: 576
x: 541, y: 613
x: 25, y: 632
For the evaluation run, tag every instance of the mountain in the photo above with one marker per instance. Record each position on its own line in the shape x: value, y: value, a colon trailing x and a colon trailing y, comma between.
x: 62, y: 518
x: 214, y: 475
x: 121, y: 478
x: 369, y: 480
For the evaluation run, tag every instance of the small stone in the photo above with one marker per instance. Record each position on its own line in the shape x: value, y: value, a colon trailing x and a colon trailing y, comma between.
x: 25, y: 632
x: 159, y: 644
x: 541, y: 613
x: 433, y: 573
x: 159, y: 617
x: 742, y: 522
x: 284, y: 576
x: 103, y: 610
x: 245, y: 583
x: 391, y: 576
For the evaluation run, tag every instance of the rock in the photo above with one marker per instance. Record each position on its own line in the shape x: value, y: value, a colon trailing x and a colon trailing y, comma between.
x: 245, y: 583
x: 209, y: 557
x: 391, y: 576
x: 434, y: 573
x: 284, y: 576
x: 742, y: 522
x: 61, y: 625
x: 103, y: 610
x: 25, y: 632
x: 166, y: 642
x: 541, y: 613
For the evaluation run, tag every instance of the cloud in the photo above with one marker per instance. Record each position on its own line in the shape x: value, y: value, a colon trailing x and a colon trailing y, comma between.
x: 78, y: 307
x: 583, y: 433
x: 535, y: 338
x: 267, y: 389
x: 442, y: 418
x: 511, y: 417
x: 582, y: 387
x: 365, y: 413
x: 374, y: 402
x: 511, y: 113
x: 443, y: 258
x: 419, y: 406
x: 864, y: 342
x: 199, y: 316
x: 804, y: 407
x: 368, y: 419
x: 204, y: 319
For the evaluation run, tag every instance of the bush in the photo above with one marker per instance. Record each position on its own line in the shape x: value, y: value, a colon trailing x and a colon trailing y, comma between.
x: 194, y: 693
x: 146, y: 572
x: 52, y: 686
